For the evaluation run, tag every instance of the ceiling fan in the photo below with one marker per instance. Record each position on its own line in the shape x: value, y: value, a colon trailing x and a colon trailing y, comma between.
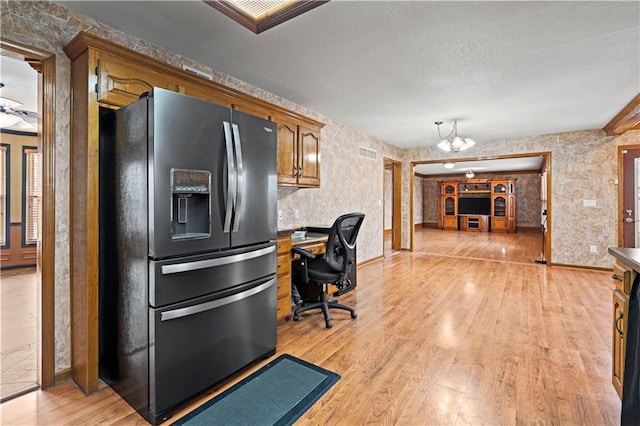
x: 13, y: 118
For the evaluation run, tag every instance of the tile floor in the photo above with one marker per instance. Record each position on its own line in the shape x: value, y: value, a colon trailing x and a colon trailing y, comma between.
x: 18, y: 331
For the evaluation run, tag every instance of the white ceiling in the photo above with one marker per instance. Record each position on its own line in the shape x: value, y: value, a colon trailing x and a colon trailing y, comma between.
x: 21, y: 85
x: 482, y: 166
x: 393, y: 68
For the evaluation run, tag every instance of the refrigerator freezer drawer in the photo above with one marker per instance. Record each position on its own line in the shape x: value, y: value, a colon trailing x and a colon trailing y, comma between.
x: 177, y: 280
x: 196, y: 345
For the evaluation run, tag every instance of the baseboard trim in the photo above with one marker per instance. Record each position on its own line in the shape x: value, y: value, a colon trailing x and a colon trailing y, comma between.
x: 368, y: 261
x: 62, y: 376
x: 592, y: 268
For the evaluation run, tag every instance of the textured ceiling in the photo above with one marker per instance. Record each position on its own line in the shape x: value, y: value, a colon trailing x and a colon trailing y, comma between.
x: 392, y: 68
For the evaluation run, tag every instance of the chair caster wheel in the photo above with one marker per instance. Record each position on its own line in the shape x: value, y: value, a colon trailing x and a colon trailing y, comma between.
x: 329, y: 325
x: 354, y: 315
x: 295, y: 318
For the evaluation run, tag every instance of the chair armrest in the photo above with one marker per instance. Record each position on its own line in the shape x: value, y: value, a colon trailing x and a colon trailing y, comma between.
x: 303, y: 253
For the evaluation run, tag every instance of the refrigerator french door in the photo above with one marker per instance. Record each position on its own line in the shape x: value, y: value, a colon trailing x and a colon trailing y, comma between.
x: 211, y: 174
x: 187, y: 248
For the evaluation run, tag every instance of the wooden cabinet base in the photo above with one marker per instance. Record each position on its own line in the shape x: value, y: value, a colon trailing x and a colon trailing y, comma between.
x: 479, y: 223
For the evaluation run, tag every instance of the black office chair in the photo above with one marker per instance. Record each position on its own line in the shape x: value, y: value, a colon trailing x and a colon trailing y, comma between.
x: 333, y: 268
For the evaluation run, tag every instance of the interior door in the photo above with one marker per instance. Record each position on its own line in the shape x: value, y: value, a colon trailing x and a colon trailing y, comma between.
x: 629, y: 216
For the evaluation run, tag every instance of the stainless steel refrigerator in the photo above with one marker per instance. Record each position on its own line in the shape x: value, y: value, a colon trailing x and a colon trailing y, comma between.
x: 187, y: 247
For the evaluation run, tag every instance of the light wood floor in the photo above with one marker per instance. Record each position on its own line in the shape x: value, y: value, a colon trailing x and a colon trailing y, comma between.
x: 440, y: 339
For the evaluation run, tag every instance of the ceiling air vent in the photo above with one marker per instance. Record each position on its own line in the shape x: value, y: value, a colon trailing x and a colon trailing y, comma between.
x: 367, y: 153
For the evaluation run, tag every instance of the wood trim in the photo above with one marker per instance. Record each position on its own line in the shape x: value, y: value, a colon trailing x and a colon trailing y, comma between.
x: 591, y: 268
x: 396, y: 224
x: 368, y: 261
x: 628, y: 118
x: 84, y: 41
x: 84, y: 228
x: 63, y: 376
x: 44, y: 63
x: 269, y: 21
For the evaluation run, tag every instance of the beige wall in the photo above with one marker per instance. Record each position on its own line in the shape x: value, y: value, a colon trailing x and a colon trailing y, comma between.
x: 583, y: 163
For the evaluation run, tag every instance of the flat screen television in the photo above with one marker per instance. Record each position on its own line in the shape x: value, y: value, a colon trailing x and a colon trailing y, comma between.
x: 474, y: 205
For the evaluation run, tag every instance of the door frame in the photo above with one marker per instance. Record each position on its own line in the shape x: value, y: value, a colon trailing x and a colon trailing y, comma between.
x: 45, y: 64
x: 546, y: 164
x: 396, y: 194
x: 621, y: 190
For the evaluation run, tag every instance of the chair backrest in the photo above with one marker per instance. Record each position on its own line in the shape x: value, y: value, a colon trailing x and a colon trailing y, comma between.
x: 340, y: 249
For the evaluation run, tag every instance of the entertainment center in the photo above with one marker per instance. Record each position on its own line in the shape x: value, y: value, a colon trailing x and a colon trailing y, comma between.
x: 483, y: 205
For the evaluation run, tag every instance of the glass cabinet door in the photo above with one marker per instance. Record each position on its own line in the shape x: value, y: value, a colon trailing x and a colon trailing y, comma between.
x: 499, y: 206
x: 449, y: 206
x: 499, y: 188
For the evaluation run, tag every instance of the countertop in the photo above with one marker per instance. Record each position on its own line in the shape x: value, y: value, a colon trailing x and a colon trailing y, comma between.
x: 630, y: 256
x: 311, y: 238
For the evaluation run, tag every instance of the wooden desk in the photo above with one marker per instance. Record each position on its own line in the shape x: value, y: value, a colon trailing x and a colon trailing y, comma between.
x: 314, y: 243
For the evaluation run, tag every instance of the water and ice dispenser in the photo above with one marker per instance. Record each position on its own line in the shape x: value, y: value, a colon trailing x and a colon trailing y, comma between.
x: 190, y: 204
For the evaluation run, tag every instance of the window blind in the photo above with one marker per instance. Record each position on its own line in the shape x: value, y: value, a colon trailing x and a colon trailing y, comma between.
x: 33, y: 189
x: 3, y: 195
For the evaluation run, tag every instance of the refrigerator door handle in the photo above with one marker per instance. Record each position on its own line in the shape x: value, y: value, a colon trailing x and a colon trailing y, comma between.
x: 207, y: 306
x: 210, y: 263
x: 231, y: 178
x: 240, y: 181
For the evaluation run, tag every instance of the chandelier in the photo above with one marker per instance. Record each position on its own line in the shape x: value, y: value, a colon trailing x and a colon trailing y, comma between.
x: 469, y: 174
x: 453, y: 142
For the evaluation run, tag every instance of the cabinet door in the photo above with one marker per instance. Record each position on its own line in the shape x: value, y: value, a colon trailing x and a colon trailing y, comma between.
x: 287, y: 153
x: 121, y: 83
x: 308, y: 157
x: 620, y: 312
x: 499, y: 206
x: 284, y: 275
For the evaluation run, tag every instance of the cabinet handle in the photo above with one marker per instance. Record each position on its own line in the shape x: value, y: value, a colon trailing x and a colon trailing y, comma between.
x: 620, y: 333
x: 616, y: 277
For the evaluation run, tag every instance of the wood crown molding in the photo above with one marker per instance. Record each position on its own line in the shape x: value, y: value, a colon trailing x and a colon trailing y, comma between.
x: 84, y: 40
x: 270, y: 20
x: 628, y: 118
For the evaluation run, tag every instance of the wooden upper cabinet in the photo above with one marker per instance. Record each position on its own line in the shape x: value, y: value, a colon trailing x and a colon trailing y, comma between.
x: 298, y: 154
x: 308, y: 157
x: 121, y: 83
x: 251, y: 109
x: 287, y: 153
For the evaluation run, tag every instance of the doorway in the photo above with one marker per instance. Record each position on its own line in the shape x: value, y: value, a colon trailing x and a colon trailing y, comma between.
x: 42, y: 205
x: 533, y: 218
x: 629, y: 196
x: 391, y: 206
